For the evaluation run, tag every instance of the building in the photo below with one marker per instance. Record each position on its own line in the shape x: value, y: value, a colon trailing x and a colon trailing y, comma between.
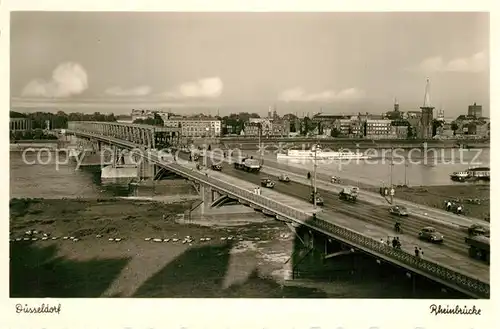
x: 377, y: 129
x: 142, y: 115
x: 195, y: 127
x: 324, y: 117
x: 483, y: 130
x: 280, y: 128
x: 269, y: 127
x: 475, y: 111
x: 399, y: 132
x: 20, y: 124
x: 343, y: 126
x: 445, y: 130
x: 440, y: 115
x: 424, y: 130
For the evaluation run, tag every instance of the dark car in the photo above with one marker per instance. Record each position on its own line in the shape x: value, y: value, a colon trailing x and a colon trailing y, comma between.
x: 319, y: 199
x: 216, y: 167
x: 430, y: 234
x: 266, y: 182
x: 398, y: 210
x: 478, y: 229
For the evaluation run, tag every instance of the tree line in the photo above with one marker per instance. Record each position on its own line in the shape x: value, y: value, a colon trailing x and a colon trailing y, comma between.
x: 59, y: 120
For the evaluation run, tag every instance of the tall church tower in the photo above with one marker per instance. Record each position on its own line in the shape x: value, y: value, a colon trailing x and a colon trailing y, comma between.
x: 425, y: 131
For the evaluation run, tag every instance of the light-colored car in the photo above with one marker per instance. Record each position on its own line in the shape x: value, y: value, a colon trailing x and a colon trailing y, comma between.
x: 284, y: 178
x: 335, y: 180
x: 430, y: 234
x: 349, y: 193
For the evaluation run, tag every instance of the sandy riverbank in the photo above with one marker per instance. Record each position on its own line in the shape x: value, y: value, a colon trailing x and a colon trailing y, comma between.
x: 93, y: 266
x: 241, y: 259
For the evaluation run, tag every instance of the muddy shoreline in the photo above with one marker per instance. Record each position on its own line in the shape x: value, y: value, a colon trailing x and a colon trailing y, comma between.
x: 141, y: 248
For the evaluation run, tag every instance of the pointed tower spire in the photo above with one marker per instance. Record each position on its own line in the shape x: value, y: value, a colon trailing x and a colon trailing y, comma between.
x: 425, y: 129
x: 427, y: 96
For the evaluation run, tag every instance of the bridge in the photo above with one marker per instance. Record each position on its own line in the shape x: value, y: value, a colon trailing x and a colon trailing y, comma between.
x: 470, y: 280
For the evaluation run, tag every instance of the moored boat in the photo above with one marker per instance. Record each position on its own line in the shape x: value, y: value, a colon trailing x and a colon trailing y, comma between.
x: 319, y: 154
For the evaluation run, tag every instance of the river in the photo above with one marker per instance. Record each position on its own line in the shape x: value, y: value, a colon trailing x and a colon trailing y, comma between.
x: 417, y: 170
x: 55, y: 181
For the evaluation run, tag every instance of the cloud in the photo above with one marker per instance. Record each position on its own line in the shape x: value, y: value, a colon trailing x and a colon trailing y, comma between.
x: 299, y: 95
x: 67, y: 79
x: 137, y: 91
x: 475, y: 63
x: 203, y: 88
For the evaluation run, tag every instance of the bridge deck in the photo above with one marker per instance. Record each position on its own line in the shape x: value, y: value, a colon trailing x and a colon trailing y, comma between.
x: 297, y: 174
x: 436, y: 253
x: 284, y: 199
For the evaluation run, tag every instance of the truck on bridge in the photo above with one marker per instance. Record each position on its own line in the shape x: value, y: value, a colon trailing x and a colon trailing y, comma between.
x: 479, y: 247
x: 247, y: 164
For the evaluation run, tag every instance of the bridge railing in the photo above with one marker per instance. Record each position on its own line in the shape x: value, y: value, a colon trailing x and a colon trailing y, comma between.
x: 242, y: 193
x: 356, y: 239
x: 436, y: 270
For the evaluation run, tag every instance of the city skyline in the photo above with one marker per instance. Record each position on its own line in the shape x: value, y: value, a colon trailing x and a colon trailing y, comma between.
x: 298, y: 62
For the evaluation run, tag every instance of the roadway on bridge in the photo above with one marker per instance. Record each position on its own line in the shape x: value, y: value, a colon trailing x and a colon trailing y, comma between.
x: 361, y: 209
x: 374, y: 214
x: 438, y: 214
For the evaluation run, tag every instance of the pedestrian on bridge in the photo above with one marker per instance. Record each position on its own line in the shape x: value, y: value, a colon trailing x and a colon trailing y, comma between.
x: 394, y: 242
x: 417, y: 252
x: 308, y: 175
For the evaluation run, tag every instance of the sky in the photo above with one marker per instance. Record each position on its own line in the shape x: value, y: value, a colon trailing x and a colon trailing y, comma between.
x: 231, y: 62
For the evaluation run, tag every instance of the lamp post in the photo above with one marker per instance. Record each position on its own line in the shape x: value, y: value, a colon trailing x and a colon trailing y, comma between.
x: 259, y: 126
x: 314, y: 168
x: 406, y: 166
x: 391, y: 191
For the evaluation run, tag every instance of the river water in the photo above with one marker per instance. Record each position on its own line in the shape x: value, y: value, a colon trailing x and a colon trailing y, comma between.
x: 55, y: 181
x: 417, y: 169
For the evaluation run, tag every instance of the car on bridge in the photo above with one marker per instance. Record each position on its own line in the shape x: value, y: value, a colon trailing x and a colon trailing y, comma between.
x: 478, y: 229
x: 266, y: 182
x: 430, y: 234
x: 216, y: 167
x: 335, y: 180
x: 319, y: 199
x: 479, y: 247
x: 398, y: 211
x: 284, y: 178
x: 349, y: 193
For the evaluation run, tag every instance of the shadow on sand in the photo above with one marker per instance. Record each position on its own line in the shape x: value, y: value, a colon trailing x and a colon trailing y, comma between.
x: 38, y: 272
x: 200, y: 273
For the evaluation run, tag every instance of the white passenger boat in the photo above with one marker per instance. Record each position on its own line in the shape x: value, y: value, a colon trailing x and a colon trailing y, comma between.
x: 322, y: 155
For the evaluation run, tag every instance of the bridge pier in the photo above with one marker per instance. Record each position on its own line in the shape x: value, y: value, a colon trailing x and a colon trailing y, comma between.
x: 315, y: 254
x: 212, y: 204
